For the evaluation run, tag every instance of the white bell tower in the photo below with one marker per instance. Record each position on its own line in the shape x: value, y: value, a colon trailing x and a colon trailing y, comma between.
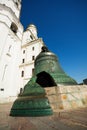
x: 11, y: 31
x: 12, y: 5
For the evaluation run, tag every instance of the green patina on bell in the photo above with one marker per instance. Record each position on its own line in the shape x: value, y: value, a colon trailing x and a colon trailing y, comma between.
x: 32, y: 101
x: 48, y: 72
x: 48, y: 69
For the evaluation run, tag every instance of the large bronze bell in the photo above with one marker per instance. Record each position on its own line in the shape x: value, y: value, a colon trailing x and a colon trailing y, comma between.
x: 48, y: 73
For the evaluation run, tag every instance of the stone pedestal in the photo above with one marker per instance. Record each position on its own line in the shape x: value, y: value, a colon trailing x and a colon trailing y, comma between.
x: 67, y: 97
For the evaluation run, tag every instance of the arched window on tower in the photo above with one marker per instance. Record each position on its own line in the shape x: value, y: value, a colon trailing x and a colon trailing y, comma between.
x: 31, y: 37
x: 33, y: 57
x: 14, y: 27
x: 33, y: 48
x: 23, y: 60
x: 16, y: 4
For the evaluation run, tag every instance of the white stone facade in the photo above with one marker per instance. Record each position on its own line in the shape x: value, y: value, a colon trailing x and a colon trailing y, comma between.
x: 31, y: 47
x: 18, y: 49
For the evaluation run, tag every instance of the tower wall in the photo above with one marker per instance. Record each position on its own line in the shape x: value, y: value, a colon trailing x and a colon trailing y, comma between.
x: 31, y: 47
x: 12, y: 5
x: 13, y: 41
x: 11, y: 32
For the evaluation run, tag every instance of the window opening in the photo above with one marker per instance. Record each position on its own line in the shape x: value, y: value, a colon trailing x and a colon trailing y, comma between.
x: 22, y: 73
x: 14, y: 27
x: 2, y: 89
x: 33, y: 57
x: 33, y: 48
x: 23, y: 60
x: 16, y: 4
x: 5, y: 68
x: 23, y: 51
x: 31, y: 37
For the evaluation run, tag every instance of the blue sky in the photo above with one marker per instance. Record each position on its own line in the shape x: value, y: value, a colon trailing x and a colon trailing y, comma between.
x: 63, y: 26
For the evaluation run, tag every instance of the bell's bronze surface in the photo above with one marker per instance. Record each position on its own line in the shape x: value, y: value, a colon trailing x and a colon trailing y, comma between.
x: 32, y: 101
x: 47, y: 67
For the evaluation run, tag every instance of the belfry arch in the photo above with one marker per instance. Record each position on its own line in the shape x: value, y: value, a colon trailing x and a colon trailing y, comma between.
x: 45, y: 79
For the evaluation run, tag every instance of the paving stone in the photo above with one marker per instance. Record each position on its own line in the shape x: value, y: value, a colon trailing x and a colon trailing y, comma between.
x: 61, y: 120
